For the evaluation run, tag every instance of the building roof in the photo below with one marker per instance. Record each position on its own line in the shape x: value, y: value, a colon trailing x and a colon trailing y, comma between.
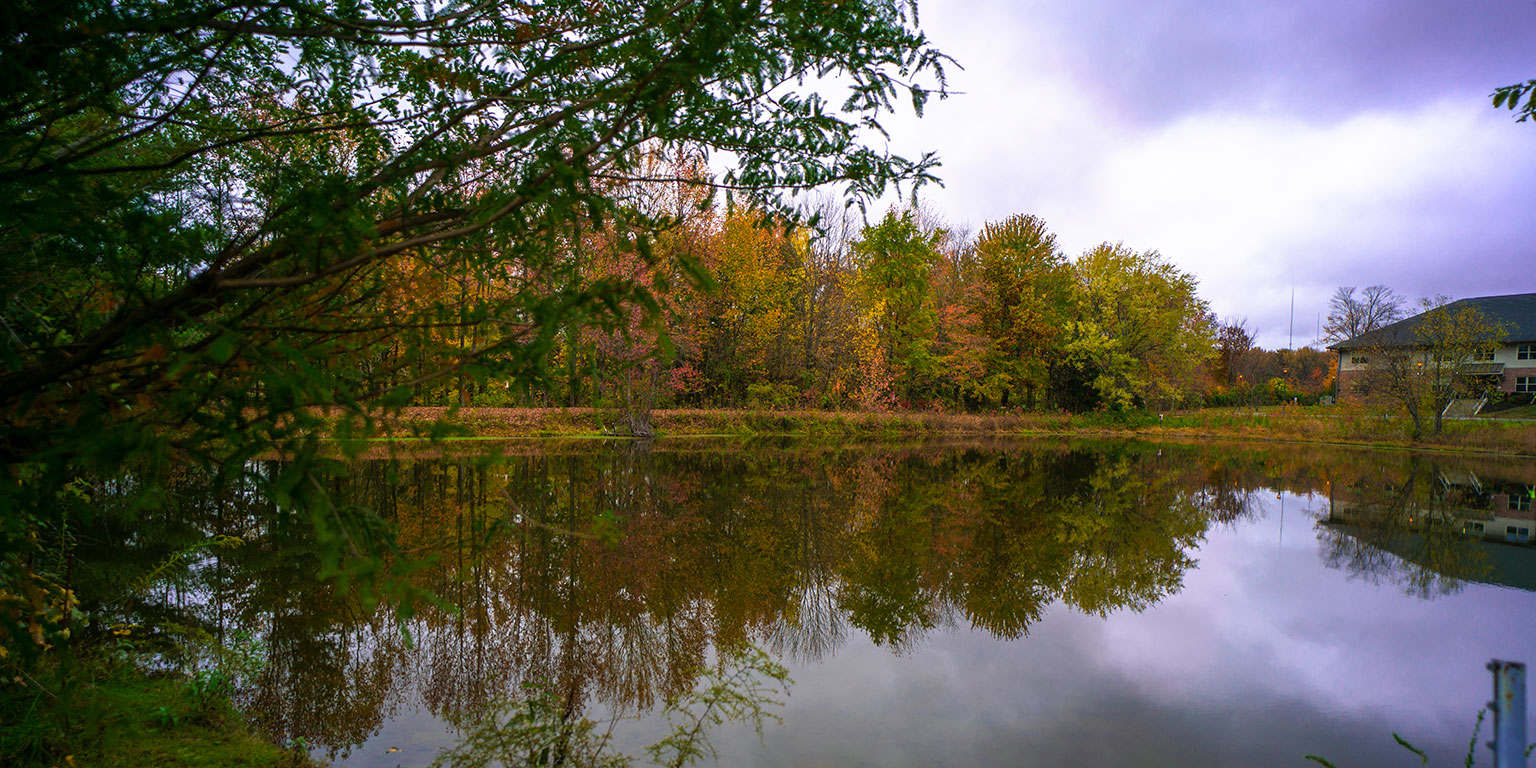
x: 1516, y: 312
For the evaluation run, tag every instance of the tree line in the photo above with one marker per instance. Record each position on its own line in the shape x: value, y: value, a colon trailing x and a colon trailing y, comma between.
x: 893, y: 312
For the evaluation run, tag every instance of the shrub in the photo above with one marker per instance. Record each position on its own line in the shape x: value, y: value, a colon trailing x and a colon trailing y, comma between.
x: 770, y: 396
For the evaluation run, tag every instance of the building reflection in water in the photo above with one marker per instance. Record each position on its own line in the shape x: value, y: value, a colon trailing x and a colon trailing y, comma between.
x: 1431, y: 526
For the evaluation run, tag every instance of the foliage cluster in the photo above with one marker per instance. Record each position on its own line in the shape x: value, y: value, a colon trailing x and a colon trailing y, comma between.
x: 1248, y: 375
x: 1510, y: 97
x: 114, y: 712
x: 895, y: 314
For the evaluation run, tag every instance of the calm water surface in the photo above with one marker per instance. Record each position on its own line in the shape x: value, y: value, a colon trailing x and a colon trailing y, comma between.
x: 1006, y: 603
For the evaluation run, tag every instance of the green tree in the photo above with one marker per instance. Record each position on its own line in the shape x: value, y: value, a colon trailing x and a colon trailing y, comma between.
x: 895, y: 258
x: 1022, y: 302
x: 1141, y: 330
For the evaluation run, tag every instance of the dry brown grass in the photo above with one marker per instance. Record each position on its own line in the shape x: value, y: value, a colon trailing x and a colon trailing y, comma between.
x: 1353, y: 426
x: 1332, y: 425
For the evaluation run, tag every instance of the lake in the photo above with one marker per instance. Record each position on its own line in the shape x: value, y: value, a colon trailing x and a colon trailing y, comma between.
x: 978, y: 603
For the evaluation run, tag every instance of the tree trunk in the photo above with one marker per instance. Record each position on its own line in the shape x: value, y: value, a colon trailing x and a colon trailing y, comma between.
x: 637, y: 409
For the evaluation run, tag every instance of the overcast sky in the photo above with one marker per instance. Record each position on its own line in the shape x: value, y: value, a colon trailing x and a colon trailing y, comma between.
x: 1257, y: 145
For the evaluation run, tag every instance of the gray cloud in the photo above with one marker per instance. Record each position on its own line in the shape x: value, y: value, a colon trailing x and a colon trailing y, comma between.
x: 1320, y: 58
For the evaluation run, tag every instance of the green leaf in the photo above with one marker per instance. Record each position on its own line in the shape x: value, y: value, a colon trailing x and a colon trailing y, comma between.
x: 223, y: 347
x: 1423, y: 758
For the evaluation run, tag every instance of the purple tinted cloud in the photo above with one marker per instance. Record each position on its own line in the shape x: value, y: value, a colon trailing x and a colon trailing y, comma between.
x: 1319, y: 58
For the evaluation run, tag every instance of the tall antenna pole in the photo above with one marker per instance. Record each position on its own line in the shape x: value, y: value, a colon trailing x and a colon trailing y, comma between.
x: 1291, y: 341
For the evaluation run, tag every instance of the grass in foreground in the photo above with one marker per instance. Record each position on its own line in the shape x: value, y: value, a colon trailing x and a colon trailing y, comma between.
x: 1517, y: 412
x: 112, y: 714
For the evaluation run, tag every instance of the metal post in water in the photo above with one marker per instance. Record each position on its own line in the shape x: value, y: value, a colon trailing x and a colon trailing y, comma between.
x: 1508, y: 707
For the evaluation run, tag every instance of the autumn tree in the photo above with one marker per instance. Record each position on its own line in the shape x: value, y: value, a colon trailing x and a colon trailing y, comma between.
x: 660, y: 250
x: 829, y: 303
x: 960, y: 344
x: 748, y: 330
x: 1422, y: 363
x: 1140, y: 331
x: 1233, y: 340
x: 1021, y: 301
x: 667, y: 254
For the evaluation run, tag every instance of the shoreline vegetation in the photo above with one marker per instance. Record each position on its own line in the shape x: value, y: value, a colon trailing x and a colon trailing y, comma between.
x: 122, y: 714
x: 1335, y: 425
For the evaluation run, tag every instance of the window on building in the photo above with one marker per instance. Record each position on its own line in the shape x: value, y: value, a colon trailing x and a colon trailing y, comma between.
x: 1525, y: 352
x: 1358, y: 359
x: 1525, y: 383
x: 1482, y: 357
x: 1519, y: 503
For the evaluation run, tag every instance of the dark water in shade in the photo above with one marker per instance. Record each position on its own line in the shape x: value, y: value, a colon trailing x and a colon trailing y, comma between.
x: 950, y: 604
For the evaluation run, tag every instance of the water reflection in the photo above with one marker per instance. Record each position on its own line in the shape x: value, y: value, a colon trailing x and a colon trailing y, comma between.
x: 1431, y: 526
x: 608, y: 576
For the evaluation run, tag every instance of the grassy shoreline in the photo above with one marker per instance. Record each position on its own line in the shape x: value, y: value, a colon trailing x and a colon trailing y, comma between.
x: 117, y: 714
x: 1332, y: 425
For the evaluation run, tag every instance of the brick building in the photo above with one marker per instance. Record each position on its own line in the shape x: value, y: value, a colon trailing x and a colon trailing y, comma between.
x: 1511, y: 368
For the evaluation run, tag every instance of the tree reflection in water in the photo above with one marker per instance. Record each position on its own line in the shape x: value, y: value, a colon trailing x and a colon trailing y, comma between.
x: 613, y: 575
